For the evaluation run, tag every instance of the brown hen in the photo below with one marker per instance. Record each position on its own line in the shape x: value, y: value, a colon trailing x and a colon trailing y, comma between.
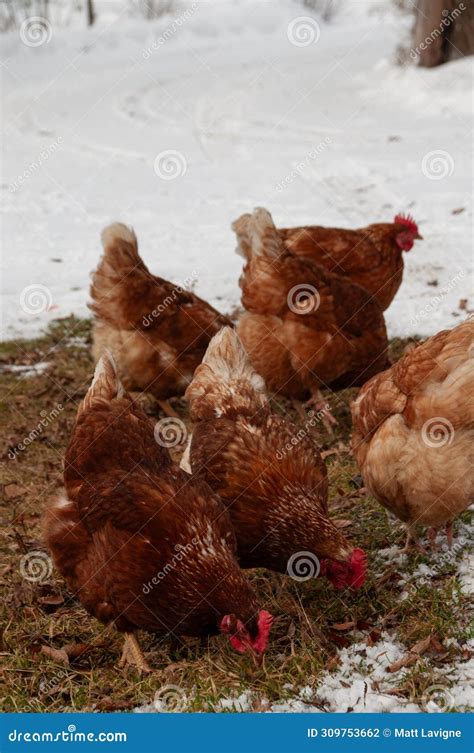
x: 271, y: 477
x: 414, y: 432
x: 141, y: 544
x: 371, y: 256
x: 305, y: 327
x: 157, y: 331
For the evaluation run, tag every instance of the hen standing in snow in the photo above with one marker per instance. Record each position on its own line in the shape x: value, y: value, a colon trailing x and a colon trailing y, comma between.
x: 414, y: 432
x: 156, y: 331
x: 141, y: 544
x: 275, y: 489
x: 370, y: 256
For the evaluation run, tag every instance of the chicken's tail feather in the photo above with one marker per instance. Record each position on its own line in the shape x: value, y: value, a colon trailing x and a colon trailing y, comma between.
x: 105, y: 384
x: 225, y: 384
x: 257, y: 235
x: 121, y: 278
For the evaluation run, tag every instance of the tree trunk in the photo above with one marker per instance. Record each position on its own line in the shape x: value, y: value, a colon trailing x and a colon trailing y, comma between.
x: 461, y: 38
x: 90, y: 12
x: 444, y: 30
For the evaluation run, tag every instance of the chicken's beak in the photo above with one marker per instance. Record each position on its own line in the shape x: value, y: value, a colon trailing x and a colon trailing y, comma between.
x: 418, y: 237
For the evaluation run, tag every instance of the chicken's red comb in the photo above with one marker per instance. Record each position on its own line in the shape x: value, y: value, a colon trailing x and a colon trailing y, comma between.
x: 358, y: 563
x: 408, y: 221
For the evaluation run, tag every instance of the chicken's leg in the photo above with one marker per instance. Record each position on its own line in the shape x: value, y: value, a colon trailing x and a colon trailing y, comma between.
x: 132, y: 654
x: 432, y: 533
x: 319, y: 405
x: 412, y: 542
x: 167, y: 409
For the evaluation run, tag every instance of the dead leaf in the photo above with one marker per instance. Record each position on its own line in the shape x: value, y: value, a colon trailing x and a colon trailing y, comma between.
x: 394, y: 691
x: 75, y: 650
x: 374, y: 637
x: 421, y: 647
x: 417, y: 650
x: 343, y: 625
x: 339, y: 640
x: 13, y: 490
x: 332, y: 663
x: 406, y: 661
x: 52, y: 600
x: 56, y: 654
x: 458, y: 210
x: 463, y: 304
x: 341, y: 522
x: 437, y: 645
x: 107, y: 704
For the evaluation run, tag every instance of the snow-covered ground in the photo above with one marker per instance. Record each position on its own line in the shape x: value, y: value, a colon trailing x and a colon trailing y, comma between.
x: 178, y: 125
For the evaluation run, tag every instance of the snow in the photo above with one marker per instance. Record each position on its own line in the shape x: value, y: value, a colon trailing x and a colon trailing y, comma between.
x: 25, y: 370
x: 331, y: 132
x: 362, y: 684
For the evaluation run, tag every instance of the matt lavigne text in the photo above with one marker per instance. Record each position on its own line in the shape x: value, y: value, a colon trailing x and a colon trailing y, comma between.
x: 444, y: 734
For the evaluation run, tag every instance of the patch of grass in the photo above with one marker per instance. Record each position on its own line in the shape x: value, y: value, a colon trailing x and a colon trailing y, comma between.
x: 304, y: 642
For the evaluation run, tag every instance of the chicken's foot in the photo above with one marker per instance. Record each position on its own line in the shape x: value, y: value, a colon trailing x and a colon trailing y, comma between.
x: 132, y: 655
x: 318, y: 407
x: 412, y: 542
